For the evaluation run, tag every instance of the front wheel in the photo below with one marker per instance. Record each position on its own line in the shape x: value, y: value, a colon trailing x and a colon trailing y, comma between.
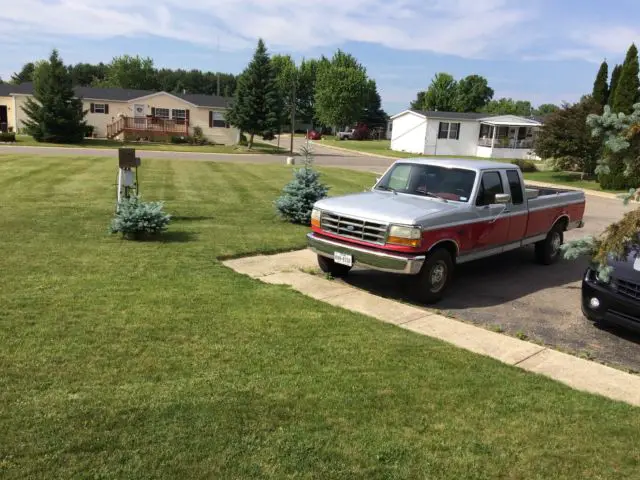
x: 327, y: 265
x: 434, y: 278
x: 548, y: 250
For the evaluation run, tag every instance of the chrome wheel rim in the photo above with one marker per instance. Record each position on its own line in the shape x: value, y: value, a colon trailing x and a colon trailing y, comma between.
x: 556, y: 243
x: 438, y: 277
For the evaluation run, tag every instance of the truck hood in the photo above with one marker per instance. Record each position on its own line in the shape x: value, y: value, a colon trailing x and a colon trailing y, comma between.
x: 627, y: 268
x: 386, y: 207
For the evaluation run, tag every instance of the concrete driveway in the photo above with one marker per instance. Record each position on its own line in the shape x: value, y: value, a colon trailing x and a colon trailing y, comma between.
x: 512, y: 293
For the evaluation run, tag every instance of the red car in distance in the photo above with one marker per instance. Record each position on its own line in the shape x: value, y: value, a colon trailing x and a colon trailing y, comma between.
x: 314, y: 135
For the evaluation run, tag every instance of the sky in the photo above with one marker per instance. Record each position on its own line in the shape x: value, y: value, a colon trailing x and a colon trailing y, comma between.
x: 545, y: 51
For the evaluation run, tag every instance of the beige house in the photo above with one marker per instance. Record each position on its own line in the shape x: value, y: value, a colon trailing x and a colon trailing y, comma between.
x: 120, y: 113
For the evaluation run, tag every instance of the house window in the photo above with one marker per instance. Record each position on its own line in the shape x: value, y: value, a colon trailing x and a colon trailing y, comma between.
x: 217, y: 120
x: 449, y: 130
x: 443, y: 131
x: 161, y: 113
x: 99, y: 108
x: 180, y: 116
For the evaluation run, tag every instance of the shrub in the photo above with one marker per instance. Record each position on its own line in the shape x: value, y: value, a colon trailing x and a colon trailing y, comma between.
x: 243, y: 140
x: 7, y: 137
x: 134, y: 218
x: 198, y: 136
x: 299, y: 195
x: 526, y: 165
x: 180, y: 139
x: 88, y: 131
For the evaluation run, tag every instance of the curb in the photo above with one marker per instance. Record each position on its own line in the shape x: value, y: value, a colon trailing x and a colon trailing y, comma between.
x: 577, y: 373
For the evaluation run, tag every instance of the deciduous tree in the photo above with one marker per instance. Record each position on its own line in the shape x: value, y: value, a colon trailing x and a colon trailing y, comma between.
x: 441, y: 94
x: 472, y: 93
x: 24, y: 75
x: 546, y: 109
x: 566, y: 138
x: 130, y: 72
x: 340, y: 94
x: 508, y: 106
x: 54, y: 114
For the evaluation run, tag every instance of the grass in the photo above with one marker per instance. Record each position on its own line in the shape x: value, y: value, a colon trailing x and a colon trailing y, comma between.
x: 258, y: 147
x: 153, y: 360
x: 569, y: 179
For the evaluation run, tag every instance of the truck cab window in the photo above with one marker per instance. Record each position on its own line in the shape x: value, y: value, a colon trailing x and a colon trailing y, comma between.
x: 517, y: 197
x: 490, y: 186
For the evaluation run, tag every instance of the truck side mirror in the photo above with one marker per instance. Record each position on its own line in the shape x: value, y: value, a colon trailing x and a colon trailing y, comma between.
x: 502, y: 198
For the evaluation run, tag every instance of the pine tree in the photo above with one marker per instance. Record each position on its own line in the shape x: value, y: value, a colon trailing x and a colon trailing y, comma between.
x: 629, y: 83
x: 299, y: 195
x: 256, y: 107
x: 56, y: 115
x: 600, y: 88
x: 615, y: 79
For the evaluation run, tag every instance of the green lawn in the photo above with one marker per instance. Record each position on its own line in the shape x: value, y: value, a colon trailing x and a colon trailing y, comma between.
x: 569, y: 179
x: 258, y: 147
x: 152, y: 360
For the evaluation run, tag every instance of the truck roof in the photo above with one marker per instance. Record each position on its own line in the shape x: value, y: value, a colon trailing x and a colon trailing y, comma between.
x: 460, y: 162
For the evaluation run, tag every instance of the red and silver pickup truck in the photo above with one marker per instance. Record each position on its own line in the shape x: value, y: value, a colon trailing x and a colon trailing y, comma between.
x: 424, y: 216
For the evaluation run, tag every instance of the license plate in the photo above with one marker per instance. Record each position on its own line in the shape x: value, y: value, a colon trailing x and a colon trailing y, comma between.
x: 343, y: 259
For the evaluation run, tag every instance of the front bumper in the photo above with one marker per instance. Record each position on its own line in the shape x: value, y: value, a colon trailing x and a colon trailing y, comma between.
x: 614, y: 308
x: 367, y: 257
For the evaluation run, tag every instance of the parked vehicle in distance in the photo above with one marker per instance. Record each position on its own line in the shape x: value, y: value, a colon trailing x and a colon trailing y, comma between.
x: 425, y: 216
x: 314, y: 135
x: 616, y: 301
x: 346, y: 135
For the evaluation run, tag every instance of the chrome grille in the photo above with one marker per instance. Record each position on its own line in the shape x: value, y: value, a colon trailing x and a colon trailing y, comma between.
x: 356, y: 228
x: 629, y: 289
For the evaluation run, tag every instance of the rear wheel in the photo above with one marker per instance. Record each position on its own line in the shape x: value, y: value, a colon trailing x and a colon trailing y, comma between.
x: 548, y: 250
x: 435, y: 276
x: 327, y: 265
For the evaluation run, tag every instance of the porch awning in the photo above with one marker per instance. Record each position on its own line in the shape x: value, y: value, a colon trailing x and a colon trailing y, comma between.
x: 510, y: 120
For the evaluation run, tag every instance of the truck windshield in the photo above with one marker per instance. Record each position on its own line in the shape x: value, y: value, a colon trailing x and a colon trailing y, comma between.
x: 429, y: 180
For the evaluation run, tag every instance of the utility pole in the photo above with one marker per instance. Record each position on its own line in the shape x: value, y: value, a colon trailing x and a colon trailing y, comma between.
x: 293, y: 112
x: 218, y: 73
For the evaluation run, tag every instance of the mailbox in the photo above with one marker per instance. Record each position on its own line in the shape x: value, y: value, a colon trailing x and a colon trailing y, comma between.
x: 127, y: 158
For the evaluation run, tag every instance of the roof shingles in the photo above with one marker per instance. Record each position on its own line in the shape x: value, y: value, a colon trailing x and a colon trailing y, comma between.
x: 120, y: 94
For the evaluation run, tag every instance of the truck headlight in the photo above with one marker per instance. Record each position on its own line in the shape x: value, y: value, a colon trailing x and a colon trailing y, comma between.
x: 316, y: 215
x: 408, y: 236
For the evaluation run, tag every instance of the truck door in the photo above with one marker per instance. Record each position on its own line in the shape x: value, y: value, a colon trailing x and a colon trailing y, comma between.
x: 518, y: 211
x: 493, y: 228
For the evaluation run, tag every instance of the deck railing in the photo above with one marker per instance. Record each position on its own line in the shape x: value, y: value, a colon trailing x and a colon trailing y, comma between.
x: 153, y: 125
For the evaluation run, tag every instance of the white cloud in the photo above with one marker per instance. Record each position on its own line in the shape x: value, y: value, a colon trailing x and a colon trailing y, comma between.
x: 467, y: 28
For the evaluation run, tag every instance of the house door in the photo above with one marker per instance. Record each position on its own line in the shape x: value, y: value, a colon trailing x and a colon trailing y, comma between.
x: 139, y: 115
x: 4, y: 119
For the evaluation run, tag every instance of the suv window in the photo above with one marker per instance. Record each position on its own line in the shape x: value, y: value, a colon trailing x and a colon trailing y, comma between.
x: 490, y: 185
x: 517, y: 197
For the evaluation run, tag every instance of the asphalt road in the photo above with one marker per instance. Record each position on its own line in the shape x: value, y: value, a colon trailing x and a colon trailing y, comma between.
x: 510, y: 291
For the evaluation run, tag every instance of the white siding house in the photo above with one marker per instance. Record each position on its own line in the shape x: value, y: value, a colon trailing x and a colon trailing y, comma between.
x: 408, y: 133
x: 463, y: 134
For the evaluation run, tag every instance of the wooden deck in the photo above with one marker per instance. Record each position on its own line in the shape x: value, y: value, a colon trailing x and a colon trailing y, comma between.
x: 148, y: 126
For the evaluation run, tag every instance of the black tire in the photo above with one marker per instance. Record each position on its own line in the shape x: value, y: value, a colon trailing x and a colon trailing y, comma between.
x: 434, y: 277
x: 327, y: 265
x: 548, y: 250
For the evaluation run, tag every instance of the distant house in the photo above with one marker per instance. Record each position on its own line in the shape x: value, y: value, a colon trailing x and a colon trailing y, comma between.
x: 120, y: 113
x: 466, y: 134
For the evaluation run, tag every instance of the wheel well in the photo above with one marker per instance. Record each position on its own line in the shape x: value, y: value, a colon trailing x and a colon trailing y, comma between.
x: 448, y: 245
x: 563, y: 222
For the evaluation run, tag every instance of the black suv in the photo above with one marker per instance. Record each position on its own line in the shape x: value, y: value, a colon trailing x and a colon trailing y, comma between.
x: 616, y: 301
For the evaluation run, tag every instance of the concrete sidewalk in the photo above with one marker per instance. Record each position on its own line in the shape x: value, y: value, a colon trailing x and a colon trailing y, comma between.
x: 285, y: 269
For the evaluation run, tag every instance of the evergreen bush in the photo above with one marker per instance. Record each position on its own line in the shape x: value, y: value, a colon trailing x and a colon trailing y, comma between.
x: 299, y: 195
x: 527, y: 166
x: 134, y: 218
